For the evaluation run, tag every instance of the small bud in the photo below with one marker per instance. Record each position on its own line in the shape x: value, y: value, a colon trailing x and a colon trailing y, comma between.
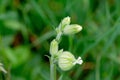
x: 72, y: 29
x: 66, y: 60
x: 60, y: 52
x: 54, y: 47
x: 62, y: 25
x: 65, y: 21
x: 56, y: 56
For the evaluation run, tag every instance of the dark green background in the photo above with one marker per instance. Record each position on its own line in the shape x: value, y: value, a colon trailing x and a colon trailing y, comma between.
x: 28, y: 26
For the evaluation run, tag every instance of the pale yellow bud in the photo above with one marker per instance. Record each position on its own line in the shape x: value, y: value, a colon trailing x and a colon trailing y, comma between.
x: 60, y: 52
x: 65, y: 22
x: 72, y: 29
x: 54, y: 47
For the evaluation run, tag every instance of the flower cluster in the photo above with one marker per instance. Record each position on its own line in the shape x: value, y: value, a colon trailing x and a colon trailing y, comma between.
x: 66, y: 28
x: 65, y: 59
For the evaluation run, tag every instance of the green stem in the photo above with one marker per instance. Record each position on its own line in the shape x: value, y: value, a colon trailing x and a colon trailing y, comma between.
x: 98, y: 67
x: 52, y: 69
x: 58, y: 36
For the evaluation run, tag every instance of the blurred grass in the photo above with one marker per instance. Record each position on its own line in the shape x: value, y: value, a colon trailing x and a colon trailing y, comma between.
x: 27, y: 27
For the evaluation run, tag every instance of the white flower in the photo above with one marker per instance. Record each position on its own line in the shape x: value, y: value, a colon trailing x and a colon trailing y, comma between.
x: 78, y: 61
x: 66, y: 60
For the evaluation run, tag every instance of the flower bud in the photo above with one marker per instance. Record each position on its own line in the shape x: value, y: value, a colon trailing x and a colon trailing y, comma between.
x: 53, y: 47
x: 66, y: 60
x: 60, y: 52
x: 56, y: 56
x: 72, y: 29
x: 62, y: 25
x: 65, y: 21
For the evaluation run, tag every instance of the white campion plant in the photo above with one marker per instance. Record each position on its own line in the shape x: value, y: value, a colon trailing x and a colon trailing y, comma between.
x: 64, y: 59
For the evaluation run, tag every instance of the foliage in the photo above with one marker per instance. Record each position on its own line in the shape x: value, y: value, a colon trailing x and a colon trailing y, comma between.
x: 27, y: 27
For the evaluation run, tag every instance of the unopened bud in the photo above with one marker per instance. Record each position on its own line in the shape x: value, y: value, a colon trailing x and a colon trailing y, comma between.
x: 60, y: 52
x: 54, y: 47
x: 72, y: 29
x: 65, y: 21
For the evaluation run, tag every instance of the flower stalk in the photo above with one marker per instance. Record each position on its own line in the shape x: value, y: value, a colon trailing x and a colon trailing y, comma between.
x: 52, y: 69
x: 64, y: 59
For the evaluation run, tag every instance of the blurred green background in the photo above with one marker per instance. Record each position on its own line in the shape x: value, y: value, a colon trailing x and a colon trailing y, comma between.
x: 28, y: 26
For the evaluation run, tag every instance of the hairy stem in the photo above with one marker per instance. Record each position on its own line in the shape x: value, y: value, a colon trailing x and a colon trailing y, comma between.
x: 52, y: 69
